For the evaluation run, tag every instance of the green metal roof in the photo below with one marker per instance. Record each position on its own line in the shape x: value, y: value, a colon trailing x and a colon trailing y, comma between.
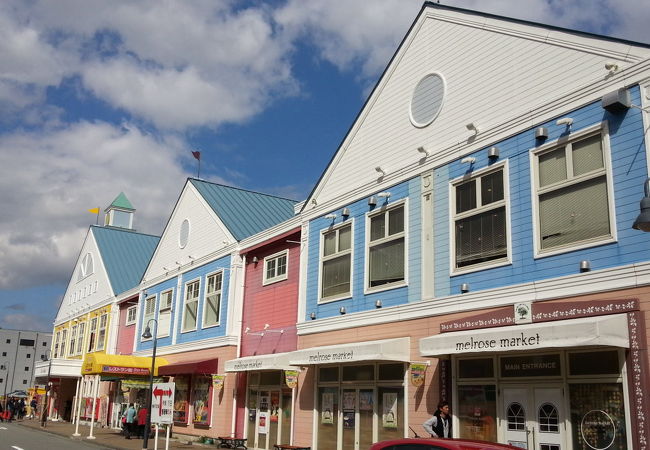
x: 244, y: 213
x: 125, y: 255
x: 122, y: 202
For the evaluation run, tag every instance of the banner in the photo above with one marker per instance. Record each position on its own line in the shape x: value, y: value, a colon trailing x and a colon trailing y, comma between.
x: 417, y: 374
x: 217, y: 381
x: 291, y: 378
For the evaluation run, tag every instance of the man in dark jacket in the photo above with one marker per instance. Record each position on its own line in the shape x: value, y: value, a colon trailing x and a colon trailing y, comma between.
x: 439, y: 425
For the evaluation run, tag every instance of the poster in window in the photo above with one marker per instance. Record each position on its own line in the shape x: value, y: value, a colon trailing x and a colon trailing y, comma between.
x: 263, y: 427
x: 327, y: 416
x: 181, y: 399
x: 348, y: 418
x: 275, y: 406
x: 201, y: 400
x: 389, y: 416
x: 349, y: 400
x: 365, y: 401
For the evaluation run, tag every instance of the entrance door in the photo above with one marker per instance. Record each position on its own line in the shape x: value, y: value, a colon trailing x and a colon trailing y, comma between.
x: 268, y: 418
x: 534, y: 417
x: 358, y: 415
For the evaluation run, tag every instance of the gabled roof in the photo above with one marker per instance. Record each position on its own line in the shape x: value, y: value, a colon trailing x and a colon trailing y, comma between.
x: 244, y: 213
x: 125, y: 255
x: 121, y: 202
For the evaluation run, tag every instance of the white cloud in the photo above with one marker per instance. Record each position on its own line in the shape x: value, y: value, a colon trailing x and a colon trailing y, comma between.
x: 54, y: 177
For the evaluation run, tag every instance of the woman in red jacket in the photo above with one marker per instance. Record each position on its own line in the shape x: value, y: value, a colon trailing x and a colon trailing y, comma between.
x: 142, y: 420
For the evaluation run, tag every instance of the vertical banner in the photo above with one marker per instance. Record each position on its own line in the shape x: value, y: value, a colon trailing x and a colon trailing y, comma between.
x: 389, y: 416
x: 418, y: 372
x: 291, y: 378
x: 445, y: 379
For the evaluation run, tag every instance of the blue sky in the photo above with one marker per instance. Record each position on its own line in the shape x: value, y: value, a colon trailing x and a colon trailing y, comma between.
x: 99, y: 97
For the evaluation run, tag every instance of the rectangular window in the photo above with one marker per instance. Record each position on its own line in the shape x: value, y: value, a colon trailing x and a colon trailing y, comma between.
x: 181, y: 398
x: 131, y: 315
x: 29, y: 355
x: 336, y: 262
x: 73, y: 339
x: 64, y: 340
x: 212, y: 299
x: 275, y: 267
x: 480, y: 220
x: 572, y: 194
x: 101, y: 336
x: 80, y: 337
x: 386, y: 247
x: 191, y: 305
x: 165, y: 314
x: 93, y: 334
x: 27, y: 342
x: 201, y: 399
x: 57, y: 341
x: 149, y: 313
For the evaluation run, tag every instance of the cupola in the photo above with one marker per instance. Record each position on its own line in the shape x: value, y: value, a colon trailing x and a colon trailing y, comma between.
x: 120, y: 213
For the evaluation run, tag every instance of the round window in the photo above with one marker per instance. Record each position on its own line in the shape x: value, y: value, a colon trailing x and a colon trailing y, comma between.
x: 427, y: 100
x: 184, y: 234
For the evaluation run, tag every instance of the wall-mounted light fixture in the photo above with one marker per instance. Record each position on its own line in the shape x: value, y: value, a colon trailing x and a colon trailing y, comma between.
x: 611, y: 66
x: 585, y: 266
x: 165, y: 269
x: 464, y: 288
x: 331, y: 216
x: 541, y: 133
x: 493, y: 152
x: 345, y: 212
x: 642, y: 222
x: 424, y: 151
x: 468, y: 160
x: 566, y: 121
x: 255, y: 260
x: 473, y: 127
x: 378, y: 304
x: 342, y: 310
x: 385, y: 195
x: 372, y: 201
x: 312, y: 316
x: 380, y: 170
x: 178, y: 263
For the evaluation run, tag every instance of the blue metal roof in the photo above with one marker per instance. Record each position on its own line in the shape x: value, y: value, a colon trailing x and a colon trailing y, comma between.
x: 125, y: 255
x: 244, y: 213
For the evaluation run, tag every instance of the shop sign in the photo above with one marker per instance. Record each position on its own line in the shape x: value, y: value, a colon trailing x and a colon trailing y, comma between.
x: 531, y: 366
x: 598, y: 429
x: 125, y: 370
x: 291, y: 378
x: 217, y: 381
x: 162, y: 403
x: 417, y: 374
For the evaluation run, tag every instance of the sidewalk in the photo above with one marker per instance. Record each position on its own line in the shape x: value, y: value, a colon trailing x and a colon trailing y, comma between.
x: 107, y: 437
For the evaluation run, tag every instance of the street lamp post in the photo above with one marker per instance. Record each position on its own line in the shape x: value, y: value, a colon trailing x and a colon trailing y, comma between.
x: 46, y: 403
x: 147, y: 335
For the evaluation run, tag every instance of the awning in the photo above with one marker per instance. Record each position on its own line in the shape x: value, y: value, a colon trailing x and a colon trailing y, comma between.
x: 138, y: 383
x: 205, y: 366
x: 384, y: 350
x: 103, y: 364
x: 276, y: 361
x: 609, y: 330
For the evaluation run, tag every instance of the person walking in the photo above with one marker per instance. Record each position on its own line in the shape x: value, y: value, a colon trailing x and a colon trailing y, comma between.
x: 439, y: 425
x: 129, y: 415
x: 33, y: 405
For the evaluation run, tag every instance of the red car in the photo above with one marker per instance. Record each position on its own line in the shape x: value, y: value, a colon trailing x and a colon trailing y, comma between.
x: 438, y: 444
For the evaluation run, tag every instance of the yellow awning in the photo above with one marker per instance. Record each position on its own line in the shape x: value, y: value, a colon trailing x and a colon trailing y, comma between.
x: 103, y: 364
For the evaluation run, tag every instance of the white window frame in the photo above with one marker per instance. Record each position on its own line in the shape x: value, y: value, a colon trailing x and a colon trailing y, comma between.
x: 100, y: 344
x: 197, y: 298
x: 64, y: 343
x: 218, y: 292
x: 57, y: 342
x: 453, y: 217
x: 80, y: 338
x: 131, y: 311
x: 321, y: 259
x: 405, y: 234
x: 73, y: 340
x: 147, y: 316
x: 92, y: 336
x: 164, y: 310
x: 603, y: 129
x: 275, y: 257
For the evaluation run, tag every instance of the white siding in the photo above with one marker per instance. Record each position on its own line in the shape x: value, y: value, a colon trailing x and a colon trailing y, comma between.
x: 207, y: 234
x: 495, y: 72
x: 83, y: 303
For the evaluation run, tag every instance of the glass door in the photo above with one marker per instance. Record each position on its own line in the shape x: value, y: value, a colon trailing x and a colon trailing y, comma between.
x: 358, y: 418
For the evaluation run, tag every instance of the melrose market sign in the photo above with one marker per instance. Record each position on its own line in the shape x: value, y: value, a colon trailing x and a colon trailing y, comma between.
x: 611, y: 330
